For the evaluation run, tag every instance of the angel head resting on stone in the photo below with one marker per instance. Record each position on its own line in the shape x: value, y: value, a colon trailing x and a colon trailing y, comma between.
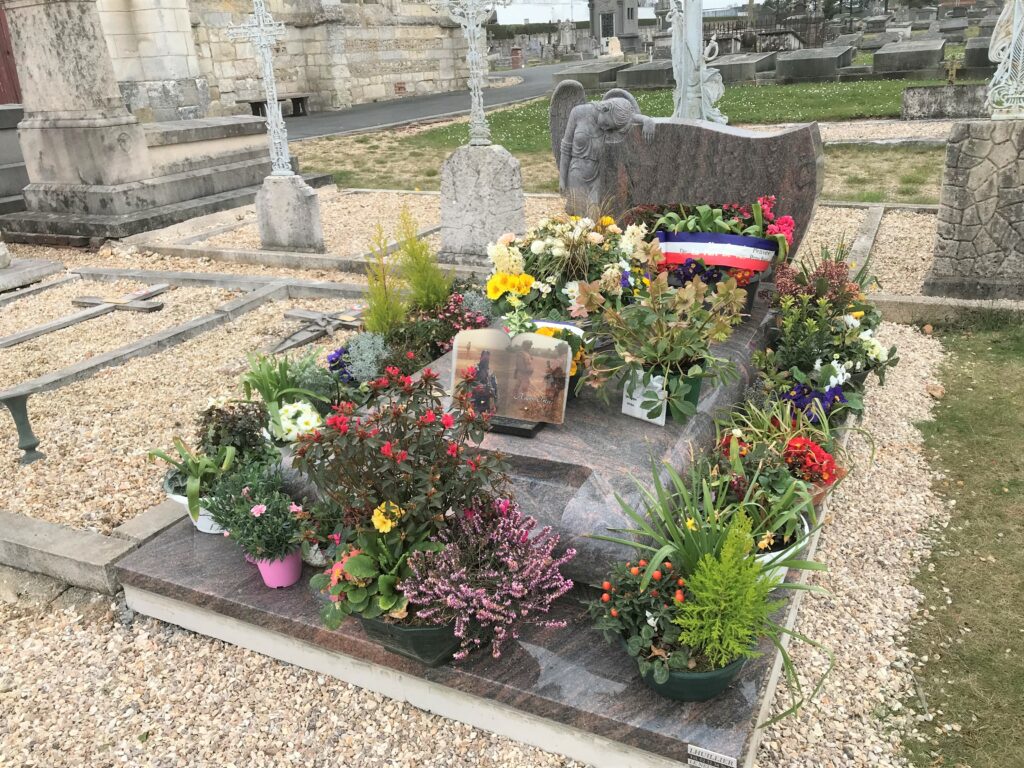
x: 591, y: 127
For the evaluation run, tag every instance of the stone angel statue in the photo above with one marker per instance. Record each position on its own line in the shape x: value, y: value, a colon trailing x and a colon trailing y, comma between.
x: 1006, y: 50
x: 580, y: 132
x: 698, y: 87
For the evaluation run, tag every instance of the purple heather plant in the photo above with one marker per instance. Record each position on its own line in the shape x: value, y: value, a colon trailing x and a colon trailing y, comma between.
x: 490, y: 577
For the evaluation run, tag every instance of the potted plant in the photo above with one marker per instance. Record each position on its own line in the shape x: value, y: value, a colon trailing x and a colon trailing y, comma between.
x: 269, y: 527
x: 490, y: 574
x: 541, y: 271
x: 660, y: 344
x: 277, y: 383
x: 691, y: 638
x: 191, y: 473
x: 396, y: 473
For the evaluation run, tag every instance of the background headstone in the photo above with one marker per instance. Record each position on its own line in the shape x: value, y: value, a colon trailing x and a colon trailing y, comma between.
x: 5, y: 256
x: 481, y: 199
x: 979, y: 247
x: 288, y: 215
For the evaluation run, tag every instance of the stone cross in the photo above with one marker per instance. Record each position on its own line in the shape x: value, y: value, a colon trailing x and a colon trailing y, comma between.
x: 318, y: 325
x: 471, y: 15
x: 263, y: 32
x: 1006, y: 50
x: 96, y: 307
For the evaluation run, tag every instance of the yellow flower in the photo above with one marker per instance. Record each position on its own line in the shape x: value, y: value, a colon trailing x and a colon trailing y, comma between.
x: 857, y: 315
x: 545, y: 331
x: 691, y: 524
x: 607, y: 221
x: 386, y: 515
x: 497, y: 286
x: 766, y: 541
x: 523, y: 284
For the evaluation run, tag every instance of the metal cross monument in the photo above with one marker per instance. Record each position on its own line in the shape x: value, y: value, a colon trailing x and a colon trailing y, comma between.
x: 471, y: 16
x: 263, y: 32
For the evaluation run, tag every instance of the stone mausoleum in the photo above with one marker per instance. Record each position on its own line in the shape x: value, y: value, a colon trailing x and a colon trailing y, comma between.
x: 173, y: 59
x: 616, y: 18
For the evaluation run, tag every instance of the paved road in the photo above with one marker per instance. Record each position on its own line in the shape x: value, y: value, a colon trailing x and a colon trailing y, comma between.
x: 536, y: 82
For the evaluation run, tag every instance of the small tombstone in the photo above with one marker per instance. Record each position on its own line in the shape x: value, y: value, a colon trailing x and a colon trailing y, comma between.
x: 614, y: 46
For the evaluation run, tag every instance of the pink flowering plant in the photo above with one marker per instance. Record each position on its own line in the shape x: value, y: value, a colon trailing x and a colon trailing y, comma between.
x: 491, y: 575
x: 253, y: 510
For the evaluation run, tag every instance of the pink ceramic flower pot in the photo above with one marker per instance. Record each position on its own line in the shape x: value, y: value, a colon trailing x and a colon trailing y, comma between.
x: 281, y: 573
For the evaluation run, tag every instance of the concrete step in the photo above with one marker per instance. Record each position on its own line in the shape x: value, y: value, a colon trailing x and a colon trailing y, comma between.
x: 11, y: 204
x: 78, y: 229
x: 204, y: 129
x: 13, y: 179
x: 198, y: 162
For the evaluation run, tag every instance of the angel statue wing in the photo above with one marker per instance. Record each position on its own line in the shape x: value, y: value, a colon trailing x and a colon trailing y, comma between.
x: 567, y: 96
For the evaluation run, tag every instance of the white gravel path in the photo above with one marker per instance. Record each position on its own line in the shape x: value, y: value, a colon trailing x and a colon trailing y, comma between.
x: 96, y: 432
x: 873, y: 543
x: 872, y: 130
x: 904, y: 251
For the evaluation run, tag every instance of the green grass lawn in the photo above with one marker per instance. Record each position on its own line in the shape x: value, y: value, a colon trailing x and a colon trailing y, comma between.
x: 974, y: 582
x: 410, y: 159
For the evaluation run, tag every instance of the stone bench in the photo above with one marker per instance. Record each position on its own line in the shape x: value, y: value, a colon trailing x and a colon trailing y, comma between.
x: 299, y: 104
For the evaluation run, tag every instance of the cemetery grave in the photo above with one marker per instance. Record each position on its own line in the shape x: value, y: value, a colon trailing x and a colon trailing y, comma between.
x: 618, y: 488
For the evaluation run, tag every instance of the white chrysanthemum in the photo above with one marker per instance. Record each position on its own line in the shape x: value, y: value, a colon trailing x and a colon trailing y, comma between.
x: 537, y: 247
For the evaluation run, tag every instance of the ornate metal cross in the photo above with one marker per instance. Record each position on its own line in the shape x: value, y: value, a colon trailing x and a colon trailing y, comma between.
x: 471, y: 15
x: 1006, y: 49
x: 263, y: 32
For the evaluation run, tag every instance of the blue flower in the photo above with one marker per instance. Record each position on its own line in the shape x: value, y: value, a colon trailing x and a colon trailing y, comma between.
x: 337, y: 363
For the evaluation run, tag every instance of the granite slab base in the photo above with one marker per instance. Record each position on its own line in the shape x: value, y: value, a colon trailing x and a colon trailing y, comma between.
x: 22, y: 272
x: 564, y: 690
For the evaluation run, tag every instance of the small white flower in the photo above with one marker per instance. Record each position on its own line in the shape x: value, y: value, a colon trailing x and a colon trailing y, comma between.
x: 537, y: 247
x: 851, y: 321
x: 738, y: 434
x: 572, y: 290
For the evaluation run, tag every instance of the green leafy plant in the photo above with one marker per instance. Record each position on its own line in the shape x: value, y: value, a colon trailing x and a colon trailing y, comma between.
x: 429, y: 285
x: 666, y: 332
x: 197, y: 469
x: 386, y: 308
x: 237, y: 424
x: 274, y: 379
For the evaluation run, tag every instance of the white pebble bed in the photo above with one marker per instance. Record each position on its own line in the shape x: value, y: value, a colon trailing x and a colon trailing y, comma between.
x: 904, y: 251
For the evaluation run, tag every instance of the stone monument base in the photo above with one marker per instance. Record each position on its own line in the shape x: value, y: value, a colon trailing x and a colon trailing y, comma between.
x: 288, y: 214
x: 481, y: 199
x: 21, y: 272
x: 979, y: 247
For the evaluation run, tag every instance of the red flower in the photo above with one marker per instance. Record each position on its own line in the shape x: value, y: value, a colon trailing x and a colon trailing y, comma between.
x: 470, y: 373
x: 428, y: 418
x: 392, y: 371
x: 339, y: 423
x: 401, y: 456
x: 387, y: 449
x: 453, y: 449
x: 447, y: 421
x: 471, y: 464
x: 429, y: 375
x: 410, y: 355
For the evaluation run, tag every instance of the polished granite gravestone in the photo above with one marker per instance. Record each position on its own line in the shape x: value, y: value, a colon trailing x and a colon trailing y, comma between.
x: 565, y: 690
x: 569, y: 475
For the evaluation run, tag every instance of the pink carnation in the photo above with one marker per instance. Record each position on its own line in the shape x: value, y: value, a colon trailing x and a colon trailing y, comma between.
x: 258, y: 510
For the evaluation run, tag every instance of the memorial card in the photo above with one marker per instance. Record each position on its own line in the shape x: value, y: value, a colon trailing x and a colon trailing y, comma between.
x: 523, y: 378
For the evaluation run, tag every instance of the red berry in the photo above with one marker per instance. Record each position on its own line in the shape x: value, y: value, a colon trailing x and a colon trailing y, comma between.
x: 656, y: 575
x: 635, y: 571
x: 667, y: 565
x: 654, y: 593
x: 643, y: 563
x: 614, y: 613
x: 680, y: 596
x: 606, y: 586
x: 605, y: 597
x: 680, y: 582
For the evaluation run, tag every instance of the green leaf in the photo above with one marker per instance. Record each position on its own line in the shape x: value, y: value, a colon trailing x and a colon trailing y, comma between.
x: 661, y: 674
x: 386, y: 585
x: 634, y: 644
x: 357, y: 595
x: 361, y: 567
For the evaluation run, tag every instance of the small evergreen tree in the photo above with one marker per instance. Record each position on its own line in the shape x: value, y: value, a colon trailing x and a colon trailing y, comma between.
x: 729, y: 609
x: 429, y: 285
x: 385, y: 307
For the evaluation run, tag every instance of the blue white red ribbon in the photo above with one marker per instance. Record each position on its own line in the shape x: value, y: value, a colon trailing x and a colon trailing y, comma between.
x: 720, y: 250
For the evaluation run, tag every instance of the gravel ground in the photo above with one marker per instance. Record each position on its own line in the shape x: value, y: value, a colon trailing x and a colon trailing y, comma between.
x: 87, y: 686
x: 904, y: 251
x: 872, y: 130
x: 168, y: 697
x: 96, y: 432
x: 873, y: 544
x: 830, y: 227
x: 102, y: 334
x: 55, y: 302
x: 350, y: 221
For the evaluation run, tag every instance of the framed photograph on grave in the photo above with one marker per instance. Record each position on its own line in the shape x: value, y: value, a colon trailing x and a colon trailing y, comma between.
x: 524, y: 378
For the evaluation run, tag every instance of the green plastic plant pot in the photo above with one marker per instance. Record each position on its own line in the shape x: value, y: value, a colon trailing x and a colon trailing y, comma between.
x: 695, y: 686
x: 432, y: 646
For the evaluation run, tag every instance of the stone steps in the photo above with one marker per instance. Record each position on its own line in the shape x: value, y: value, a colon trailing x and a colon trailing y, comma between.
x: 83, y: 229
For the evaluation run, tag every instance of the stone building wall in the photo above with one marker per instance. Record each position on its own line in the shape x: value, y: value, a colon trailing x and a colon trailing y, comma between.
x: 154, y: 59
x: 343, y: 53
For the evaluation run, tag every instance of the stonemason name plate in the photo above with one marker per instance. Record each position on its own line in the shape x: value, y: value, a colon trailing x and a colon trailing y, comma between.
x: 524, y: 378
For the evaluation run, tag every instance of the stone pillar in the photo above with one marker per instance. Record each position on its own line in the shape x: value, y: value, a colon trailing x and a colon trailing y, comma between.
x: 154, y: 56
x: 979, y: 247
x: 76, y: 129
